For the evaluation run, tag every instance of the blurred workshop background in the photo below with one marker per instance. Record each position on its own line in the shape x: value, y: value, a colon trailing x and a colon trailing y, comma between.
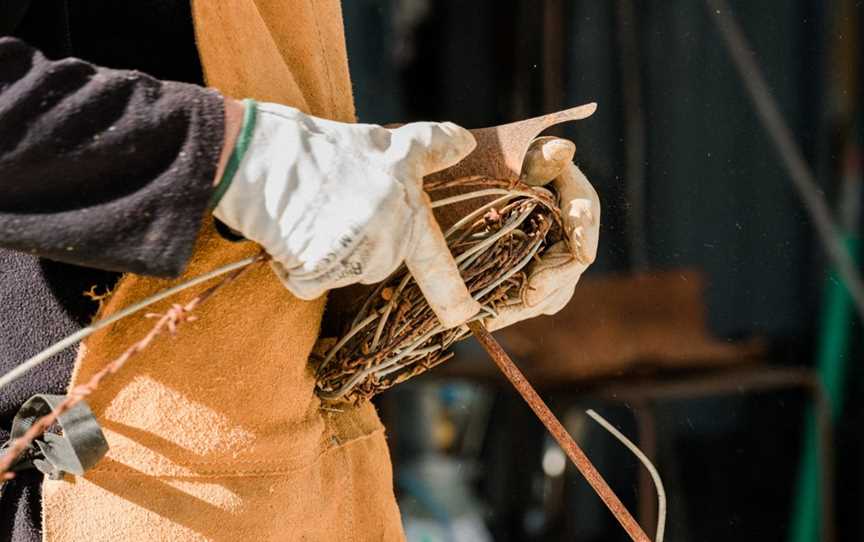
x: 713, y: 329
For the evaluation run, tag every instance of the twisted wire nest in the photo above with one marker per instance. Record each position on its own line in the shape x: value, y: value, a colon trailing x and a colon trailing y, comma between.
x: 395, y: 335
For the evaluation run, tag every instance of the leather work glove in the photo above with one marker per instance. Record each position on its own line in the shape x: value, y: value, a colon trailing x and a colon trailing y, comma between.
x: 336, y: 204
x: 552, y: 280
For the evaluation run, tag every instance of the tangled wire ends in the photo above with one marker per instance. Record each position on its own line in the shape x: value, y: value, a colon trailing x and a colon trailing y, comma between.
x: 395, y: 335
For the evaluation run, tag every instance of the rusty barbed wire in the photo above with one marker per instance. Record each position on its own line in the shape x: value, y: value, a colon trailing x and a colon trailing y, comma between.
x: 491, y: 263
x: 395, y: 334
x: 170, y: 320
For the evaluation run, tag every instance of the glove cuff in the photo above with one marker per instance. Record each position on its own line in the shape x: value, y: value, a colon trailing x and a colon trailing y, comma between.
x: 250, y: 114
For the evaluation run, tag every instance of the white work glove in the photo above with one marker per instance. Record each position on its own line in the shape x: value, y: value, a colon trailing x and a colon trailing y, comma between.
x: 335, y: 204
x: 552, y: 280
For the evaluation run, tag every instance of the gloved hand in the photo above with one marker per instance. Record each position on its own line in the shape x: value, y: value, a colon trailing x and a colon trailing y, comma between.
x: 552, y: 280
x: 335, y: 204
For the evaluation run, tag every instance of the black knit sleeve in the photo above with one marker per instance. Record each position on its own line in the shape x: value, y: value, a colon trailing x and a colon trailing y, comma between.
x: 104, y: 168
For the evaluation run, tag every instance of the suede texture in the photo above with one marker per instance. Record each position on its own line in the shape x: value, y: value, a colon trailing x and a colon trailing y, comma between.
x: 92, y: 160
x: 216, y: 434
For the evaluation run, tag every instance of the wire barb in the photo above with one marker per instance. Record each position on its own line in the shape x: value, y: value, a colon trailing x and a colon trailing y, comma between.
x: 395, y: 335
x: 169, y: 321
x: 22, y: 368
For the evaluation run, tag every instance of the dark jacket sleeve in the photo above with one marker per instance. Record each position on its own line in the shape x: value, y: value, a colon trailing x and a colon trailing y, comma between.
x: 104, y: 168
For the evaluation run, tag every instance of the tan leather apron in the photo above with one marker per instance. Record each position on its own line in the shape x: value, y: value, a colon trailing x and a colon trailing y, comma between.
x: 216, y: 433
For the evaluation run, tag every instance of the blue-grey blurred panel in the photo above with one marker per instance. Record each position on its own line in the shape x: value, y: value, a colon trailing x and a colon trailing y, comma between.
x: 592, y: 75
x: 718, y: 198
x: 370, y: 40
x: 466, y: 71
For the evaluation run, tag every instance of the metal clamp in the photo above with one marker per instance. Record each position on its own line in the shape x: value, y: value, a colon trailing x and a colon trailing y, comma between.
x: 78, y: 447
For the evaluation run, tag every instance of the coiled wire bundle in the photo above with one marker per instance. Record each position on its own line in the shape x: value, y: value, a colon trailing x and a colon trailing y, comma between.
x: 395, y: 335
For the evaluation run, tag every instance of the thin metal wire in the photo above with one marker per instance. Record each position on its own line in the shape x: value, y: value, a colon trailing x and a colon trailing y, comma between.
x: 658, y: 483
x: 558, y: 432
x: 480, y: 194
x: 374, y: 357
x: 82, y: 334
x: 169, y: 321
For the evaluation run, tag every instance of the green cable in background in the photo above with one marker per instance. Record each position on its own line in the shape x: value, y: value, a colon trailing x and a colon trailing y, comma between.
x: 832, y: 365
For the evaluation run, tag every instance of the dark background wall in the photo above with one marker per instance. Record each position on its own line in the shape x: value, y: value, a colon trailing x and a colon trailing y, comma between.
x: 688, y: 179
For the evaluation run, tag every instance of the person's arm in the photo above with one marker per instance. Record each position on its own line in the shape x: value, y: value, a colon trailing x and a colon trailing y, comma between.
x: 115, y: 170
x: 106, y: 168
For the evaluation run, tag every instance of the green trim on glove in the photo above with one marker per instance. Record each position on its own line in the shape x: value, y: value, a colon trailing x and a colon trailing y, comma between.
x: 243, y: 139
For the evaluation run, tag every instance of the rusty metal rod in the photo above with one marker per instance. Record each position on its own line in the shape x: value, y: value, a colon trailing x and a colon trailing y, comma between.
x: 557, y: 430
